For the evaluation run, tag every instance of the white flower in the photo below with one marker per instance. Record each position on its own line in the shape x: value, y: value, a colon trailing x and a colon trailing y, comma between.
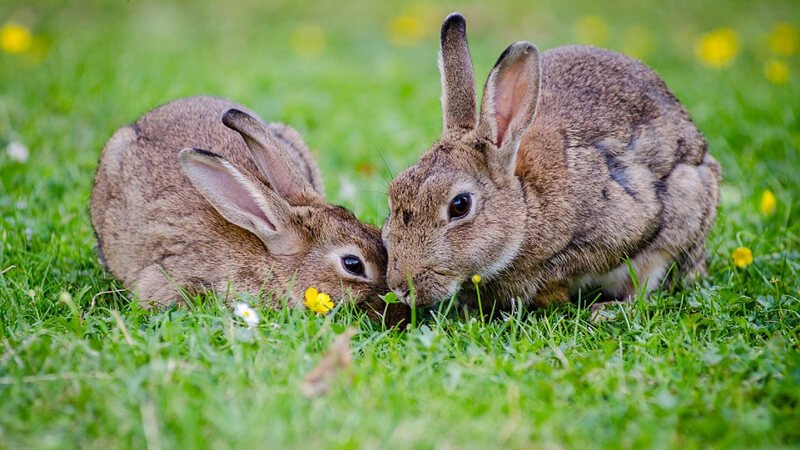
x: 248, y: 314
x: 347, y: 190
x: 17, y: 152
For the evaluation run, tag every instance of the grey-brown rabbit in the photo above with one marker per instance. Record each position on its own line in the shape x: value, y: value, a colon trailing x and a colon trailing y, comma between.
x: 198, y: 194
x: 578, y: 160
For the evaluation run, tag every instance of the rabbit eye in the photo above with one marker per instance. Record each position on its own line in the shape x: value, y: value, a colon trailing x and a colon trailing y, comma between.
x: 459, y: 206
x: 353, y: 265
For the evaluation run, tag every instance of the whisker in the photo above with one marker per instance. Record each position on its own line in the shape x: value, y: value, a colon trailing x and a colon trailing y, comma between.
x: 371, y: 191
x: 385, y: 162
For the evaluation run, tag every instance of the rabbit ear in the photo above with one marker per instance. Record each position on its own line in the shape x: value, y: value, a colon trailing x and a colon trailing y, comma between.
x: 284, y: 178
x: 509, y: 100
x: 458, y: 79
x: 238, y: 200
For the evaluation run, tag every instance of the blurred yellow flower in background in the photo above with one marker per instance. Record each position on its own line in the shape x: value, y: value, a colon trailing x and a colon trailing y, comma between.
x: 776, y: 71
x: 308, y: 40
x: 768, y: 203
x: 15, y: 38
x: 783, y: 39
x: 742, y: 257
x: 592, y: 30
x: 405, y: 31
x: 414, y: 23
x: 717, y: 48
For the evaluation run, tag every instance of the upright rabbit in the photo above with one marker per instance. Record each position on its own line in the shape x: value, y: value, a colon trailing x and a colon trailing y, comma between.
x: 578, y: 160
x: 251, y: 215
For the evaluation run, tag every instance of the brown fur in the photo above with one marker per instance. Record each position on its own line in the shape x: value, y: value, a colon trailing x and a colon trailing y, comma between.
x: 158, y: 233
x: 582, y: 158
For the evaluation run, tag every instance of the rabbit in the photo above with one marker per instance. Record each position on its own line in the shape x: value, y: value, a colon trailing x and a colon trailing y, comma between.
x: 579, y: 162
x: 201, y: 194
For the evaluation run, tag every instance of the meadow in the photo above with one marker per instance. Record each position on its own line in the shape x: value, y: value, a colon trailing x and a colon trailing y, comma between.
x: 83, y: 366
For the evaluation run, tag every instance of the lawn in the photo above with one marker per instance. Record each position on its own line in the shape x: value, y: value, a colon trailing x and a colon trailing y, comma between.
x: 81, y: 366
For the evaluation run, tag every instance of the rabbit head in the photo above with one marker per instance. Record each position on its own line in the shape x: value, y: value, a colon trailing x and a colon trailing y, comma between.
x: 313, y: 243
x: 460, y: 210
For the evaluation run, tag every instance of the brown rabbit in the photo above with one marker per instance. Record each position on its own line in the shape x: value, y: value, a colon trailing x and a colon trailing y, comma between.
x: 578, y: 160
x: 250, y: 216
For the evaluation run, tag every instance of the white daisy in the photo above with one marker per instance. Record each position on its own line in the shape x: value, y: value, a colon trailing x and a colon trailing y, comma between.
x: 347, y: 190
x: 17, y: 152
x: 248, y: 314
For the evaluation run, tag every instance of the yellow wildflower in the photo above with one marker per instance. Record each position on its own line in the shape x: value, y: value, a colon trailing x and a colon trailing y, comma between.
x: 742, y: 257
x: 768, y: 203
x: 776, y: 71
x: 405, y: 30
x: 591, y: 30
x: 308, y: 40
x: 15, y: 38
x: 476, y: 278
x: 317, y: 301
x: 783, y: 39
x: 717, y: 48
x: 414, y: 22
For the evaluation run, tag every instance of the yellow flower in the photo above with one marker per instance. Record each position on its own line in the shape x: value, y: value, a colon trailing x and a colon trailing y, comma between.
x: 15, y: 38
x: 768, y: 203
x: 317, y: 301
x: 476, y: 278
x: 783, y: 39
x: 592, y: 30
x: 414, y: 22
x: 717, y: 48
x: 776, y: 71
x: 405, y: 30
x: 308, y: 40
x: 742, y: 257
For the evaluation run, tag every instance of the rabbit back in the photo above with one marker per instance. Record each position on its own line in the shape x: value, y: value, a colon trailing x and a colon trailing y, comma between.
x: 635, y: 172
x: 154, y: 230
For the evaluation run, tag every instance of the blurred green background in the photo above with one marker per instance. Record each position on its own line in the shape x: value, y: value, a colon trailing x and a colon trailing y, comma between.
x: 359, y: 80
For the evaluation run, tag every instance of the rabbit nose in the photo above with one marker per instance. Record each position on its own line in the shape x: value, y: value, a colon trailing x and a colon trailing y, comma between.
x: 398, y: 285
x: 402, y: 294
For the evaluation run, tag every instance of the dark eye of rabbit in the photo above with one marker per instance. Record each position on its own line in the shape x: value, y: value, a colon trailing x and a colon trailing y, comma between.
x: 353, y: 265
x: 459, y: 206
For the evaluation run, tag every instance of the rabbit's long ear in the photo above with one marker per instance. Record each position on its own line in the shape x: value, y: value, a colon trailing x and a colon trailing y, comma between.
x: 459, y: 101
x: 239, y: 201
x: 509, y: 101
x: 273, y: 163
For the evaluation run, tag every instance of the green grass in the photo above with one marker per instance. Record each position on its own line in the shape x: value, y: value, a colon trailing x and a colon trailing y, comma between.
x: 716, y: 366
